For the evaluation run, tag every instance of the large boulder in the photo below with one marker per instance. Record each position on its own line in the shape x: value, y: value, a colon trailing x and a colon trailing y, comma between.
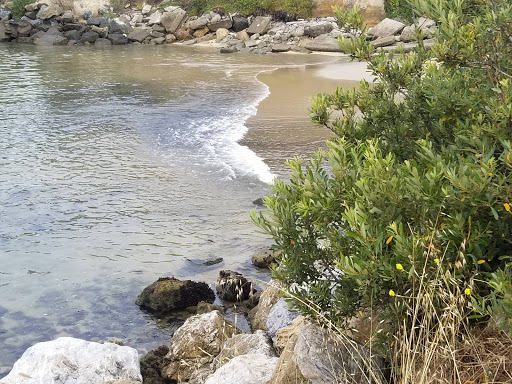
x: 168, y: 294
x: 387, y: 27
x: 240, y: 23
x: 223, y: 23
x: 172, y: 21
x: 196, y: 343
x: 155, y: 18
x: 245, y: 369
x: 233, y: 286
x: 120, y: 25
x: 138, y: 35
x: 49, y: 12
x: 90, y: 37
x: 260, y: 25
x: 4, y: 36
x: 68, y: 360
x: 316, y: 29
x: 198, y: 23
x: 258, y: 315
x: 324, y: 43
x: 317, y: 355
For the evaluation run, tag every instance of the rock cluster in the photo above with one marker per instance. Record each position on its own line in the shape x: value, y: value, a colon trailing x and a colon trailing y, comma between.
x: 52, y: 25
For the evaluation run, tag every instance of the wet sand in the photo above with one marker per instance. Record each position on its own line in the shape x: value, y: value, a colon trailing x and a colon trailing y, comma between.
x: 282, y: 129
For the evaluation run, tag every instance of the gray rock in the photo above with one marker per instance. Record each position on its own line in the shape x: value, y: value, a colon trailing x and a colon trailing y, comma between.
x: 103, y: 42
x: 281, y: 48
x: 317, y: 29
x: 119, y: 25
x: 155, y: 18
x: 196, y: 343
x: 215, y: 17
x: 102, y: 32
x: 98, y: 21
x: 4, y: 36
x: 245, y: 369
x: 198, y: 23
x: 240, y: 23
x: 221, y: 33
x: 86, y: 14
x: 172, y: 21
x: 146, y: 9
x: 168, y: 294
x: 32, y: 7
x: 324, y: 43
x: 151, y: 365
x: 243, y: 344
x: 260, y: 25
x: 387, y: 27
x: 224, y: 23
x: 383, y: 41
x: 425, y: 23
x: 408, y: 34
x: 73, y: 361
x: 117, y: 38
x: 231, y: 285
x: 138, y: 35
x: 280, y: 316
x: 72, y: 35
x: 137, y: 18
x: 158, y: 40
x: 31, y: 15
x: 67, y: 17
x: 50, y: 39
x: 89, y: 37
x: 170, y: 38
x: 49, y: 12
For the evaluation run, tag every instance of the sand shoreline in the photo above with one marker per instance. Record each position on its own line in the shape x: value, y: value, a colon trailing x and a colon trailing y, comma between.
x: 281, y: 129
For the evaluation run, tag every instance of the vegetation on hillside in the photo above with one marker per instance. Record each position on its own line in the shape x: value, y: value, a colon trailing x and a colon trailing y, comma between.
x: 299, y: 8
x: 408, y: 213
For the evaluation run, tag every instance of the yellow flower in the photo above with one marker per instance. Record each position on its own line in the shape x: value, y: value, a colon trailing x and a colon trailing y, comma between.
x: 467, y: 291
x: 481, y: 261
x: 399, y: 267
x: 391, y: 292
x: 507, y: 207
x: 436, y: 261
x: 389, y: 240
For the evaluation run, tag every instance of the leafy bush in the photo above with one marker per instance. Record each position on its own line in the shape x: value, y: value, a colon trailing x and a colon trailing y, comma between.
x: 18, y: 7
x: 246, y: 7
x: 416, y: 190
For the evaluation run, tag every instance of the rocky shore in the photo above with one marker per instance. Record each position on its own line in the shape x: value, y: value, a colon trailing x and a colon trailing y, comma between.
x: 283, y: 347
x: 44, y: 24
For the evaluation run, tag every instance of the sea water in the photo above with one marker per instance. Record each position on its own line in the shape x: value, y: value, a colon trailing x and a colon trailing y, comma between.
x: 119, y: 166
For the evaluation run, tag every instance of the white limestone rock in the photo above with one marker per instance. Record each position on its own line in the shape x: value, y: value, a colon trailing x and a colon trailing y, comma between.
x: 67, y: 360
x: 245, y: 369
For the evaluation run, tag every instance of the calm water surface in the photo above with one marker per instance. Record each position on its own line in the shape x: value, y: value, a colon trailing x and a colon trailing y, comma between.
x: 119, y: 166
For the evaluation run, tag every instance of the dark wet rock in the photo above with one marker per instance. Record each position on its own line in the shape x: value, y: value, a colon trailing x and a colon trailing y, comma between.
x: 103, y: 42
x: 118, y: 38
x: 120, y: 25
x: 264, y: 257
x: 168, y: 294
x: 98, y: 21
x: 151, y: 366
x: 90, y: 37
x: 211, y: 262
x: 72, y: 35
x: 72, y: 26
x: 231, y: 49
x: 281, y: 48
x: 240, y: 23
x: 233, y: 286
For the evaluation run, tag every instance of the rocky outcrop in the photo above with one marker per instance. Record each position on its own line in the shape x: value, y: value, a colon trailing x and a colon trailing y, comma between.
x: 233, y: 286
x: 196, y: 343
x: 68, y: 361
x: 168, y: 294
x: 151, y: 365
x: 279, y: 316
x: 324, y: 43
x: 259, y: 26
x: 316, y: 355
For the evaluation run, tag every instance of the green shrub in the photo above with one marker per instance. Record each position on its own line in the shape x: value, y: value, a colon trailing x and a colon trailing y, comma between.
x: 247, y: 7
x: 18, y: 7
x: 416, y: 190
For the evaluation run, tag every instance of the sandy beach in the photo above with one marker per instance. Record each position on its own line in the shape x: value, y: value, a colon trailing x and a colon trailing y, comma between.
x: 282, y: 129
